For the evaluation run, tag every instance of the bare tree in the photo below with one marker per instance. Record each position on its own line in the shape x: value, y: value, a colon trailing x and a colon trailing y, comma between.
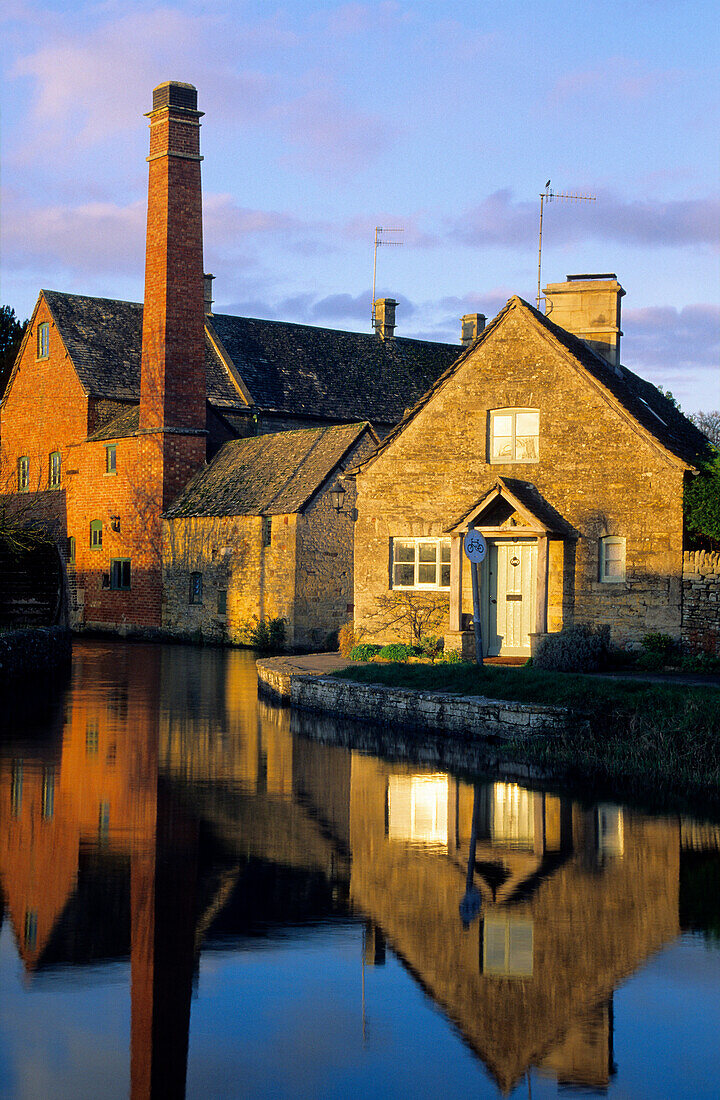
x: 709, y: 423
x: 416, y: 614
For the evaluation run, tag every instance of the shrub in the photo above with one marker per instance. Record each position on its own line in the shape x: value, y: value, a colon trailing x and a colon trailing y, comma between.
x: 658, y: 643
x: 702, y: 503
x: 347, y: 638
x: 264, y: 634
x: 363, y: 652
x: 430, y: 646
x: 396, y: 651
x: 451, y: 658
x: 574, y: 649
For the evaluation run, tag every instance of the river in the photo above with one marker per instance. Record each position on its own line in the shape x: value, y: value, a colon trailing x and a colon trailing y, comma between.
x: 205, y: 896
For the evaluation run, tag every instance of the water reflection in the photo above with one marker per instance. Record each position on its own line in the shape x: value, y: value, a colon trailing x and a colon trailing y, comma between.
x: 167, y: 812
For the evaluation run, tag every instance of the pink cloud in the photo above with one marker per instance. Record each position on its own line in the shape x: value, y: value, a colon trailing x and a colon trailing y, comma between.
x: 620, y: 77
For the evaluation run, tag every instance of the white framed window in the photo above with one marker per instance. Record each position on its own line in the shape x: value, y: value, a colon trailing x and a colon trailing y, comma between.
x: 507, y: 946
x: 420, y: 563
x: 54, y: 470
x: 514, y: 435
x: 43, y: 340
x: 612, y: 559
x: 23, y: 474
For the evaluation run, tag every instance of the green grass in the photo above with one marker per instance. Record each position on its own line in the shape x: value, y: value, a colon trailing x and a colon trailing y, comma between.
x: 632, y: 734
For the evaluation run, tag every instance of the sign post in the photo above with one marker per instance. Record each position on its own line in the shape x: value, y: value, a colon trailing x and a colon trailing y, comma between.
x: 475, y: 549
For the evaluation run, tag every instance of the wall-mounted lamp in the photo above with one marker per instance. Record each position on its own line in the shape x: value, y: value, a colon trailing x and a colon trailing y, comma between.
x: 337, y: 496
x: 115, y: 523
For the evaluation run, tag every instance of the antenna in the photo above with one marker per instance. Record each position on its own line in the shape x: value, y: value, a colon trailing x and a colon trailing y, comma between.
x: 379, y: 230
x: 559, y: 196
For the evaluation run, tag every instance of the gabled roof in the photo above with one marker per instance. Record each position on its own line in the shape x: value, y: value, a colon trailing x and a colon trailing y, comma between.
x: 626, y: 391
x: 267, y: 474
x: 293, y: 369
x: 324, y: 372
x: 521, y: 497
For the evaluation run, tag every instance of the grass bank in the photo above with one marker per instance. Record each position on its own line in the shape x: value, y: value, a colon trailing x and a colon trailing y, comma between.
x: 633, y: 735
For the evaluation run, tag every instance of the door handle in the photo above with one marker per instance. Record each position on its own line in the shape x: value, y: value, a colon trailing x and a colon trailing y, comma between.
x: 492, y: 600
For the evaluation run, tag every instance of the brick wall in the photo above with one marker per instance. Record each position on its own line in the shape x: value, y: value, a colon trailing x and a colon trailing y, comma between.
x: 701, y: 601
x: 595, y: 468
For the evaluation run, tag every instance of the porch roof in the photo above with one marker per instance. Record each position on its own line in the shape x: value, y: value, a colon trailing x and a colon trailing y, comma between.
x: 539, y: 517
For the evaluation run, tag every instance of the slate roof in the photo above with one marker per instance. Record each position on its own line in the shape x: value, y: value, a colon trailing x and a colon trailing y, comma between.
x: 639, y: 398
x: 267, y: 474
x: 293, y: 369
x: 127, y: 423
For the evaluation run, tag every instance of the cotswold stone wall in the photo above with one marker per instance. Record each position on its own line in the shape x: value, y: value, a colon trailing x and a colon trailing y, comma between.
x: 596, y: 467
x: 701, y: 601
x: 469, y: 716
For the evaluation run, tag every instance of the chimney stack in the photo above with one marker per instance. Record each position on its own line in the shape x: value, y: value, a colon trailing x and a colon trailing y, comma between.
x: 172, y: 387
x: 208, y: 281
x: 385, y: 317
x: 471, y: 325
x: 589, y: 307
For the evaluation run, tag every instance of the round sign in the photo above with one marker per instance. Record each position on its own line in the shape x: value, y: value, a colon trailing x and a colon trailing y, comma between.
x: 475, y: 546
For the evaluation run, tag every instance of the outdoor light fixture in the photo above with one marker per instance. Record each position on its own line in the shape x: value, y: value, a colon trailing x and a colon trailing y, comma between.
x: 115, y: 523
x: 337, y: 496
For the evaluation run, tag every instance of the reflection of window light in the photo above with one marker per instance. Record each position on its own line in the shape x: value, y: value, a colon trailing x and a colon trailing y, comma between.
x: 508, y: 947
x: 48, y: 793
x: 16, y: 785
x: 92, y: 737
x: 513, y: 818
x: 30, y: 929
x: 610, y: 833
x: 418, y: 808
x: 104, y: 821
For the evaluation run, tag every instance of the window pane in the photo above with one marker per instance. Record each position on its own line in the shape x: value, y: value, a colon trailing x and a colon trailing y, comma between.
x: 526, y: 448
x: 502, y: 447
x: 404, y: 575
x: 427, y: 574
x: 427, y: 551
x: 445, y: 576
x: 502, y: 424
x: 527, y: 423
x: 404, y: 550
x: 445, y: 551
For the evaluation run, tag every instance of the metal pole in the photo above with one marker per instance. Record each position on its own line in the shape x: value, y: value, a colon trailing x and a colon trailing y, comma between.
x: 476, y: 612
x: 542, y: 200
x: 372, y: 307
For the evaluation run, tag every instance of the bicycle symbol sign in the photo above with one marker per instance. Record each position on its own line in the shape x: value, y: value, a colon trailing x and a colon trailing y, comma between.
x: 475, y: 546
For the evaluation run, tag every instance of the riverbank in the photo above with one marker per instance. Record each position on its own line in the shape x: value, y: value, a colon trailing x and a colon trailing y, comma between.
x: 636, y: 735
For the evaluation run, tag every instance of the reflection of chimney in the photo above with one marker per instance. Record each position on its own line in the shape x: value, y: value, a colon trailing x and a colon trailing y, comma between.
x: 471, y: 325
x: 208, y: 279
x: 589, y: 307
x: 172, y: 387
x: 385, y: 317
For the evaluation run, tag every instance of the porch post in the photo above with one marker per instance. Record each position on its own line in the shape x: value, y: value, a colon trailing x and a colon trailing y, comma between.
x: 456, y: 565
x: 541, y: 586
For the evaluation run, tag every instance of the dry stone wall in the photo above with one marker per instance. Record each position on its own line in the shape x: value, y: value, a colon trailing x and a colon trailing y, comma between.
x: 701, y: 601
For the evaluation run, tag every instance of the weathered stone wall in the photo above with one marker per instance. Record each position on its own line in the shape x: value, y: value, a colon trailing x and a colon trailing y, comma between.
x: 470, y: 716
x: 701, y: 601
x: 596, y: 467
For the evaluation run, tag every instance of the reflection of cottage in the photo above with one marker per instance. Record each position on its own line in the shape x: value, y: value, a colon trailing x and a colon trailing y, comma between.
x: 257, y: 533
x: 571, y: 466
x: 113, y: 406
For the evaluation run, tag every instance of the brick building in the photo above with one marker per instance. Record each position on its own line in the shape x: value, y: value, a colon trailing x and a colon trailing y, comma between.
x: 112, y: 406
x: 569, y: 464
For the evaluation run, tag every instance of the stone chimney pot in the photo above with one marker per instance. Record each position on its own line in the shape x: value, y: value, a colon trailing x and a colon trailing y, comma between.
x: 471, y: 325
x: 385, y: 317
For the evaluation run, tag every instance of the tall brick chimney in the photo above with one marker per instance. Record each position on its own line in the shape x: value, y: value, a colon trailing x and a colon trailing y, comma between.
x: 172, y: 390
x: 172, y: 382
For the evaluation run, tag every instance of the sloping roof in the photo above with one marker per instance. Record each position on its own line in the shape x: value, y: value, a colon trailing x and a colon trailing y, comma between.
x: 294, y: 369
x: 127, y: 423
x: 641, y: 399
x: 524, y: 496
x: 313, y: 371
x: 267, y: 474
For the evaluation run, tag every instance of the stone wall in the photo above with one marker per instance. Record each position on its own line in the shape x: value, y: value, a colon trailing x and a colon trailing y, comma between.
x: 701, y: 601
x: 469, y: 716
x: 596, y: 467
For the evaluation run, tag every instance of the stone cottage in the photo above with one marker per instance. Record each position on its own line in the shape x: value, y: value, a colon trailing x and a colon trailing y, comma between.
x: 262, y: 533
x: 570, y: 465
x: 112, y: 406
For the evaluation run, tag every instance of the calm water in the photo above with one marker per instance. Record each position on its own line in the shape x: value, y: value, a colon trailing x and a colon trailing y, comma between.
x: 199, y: 900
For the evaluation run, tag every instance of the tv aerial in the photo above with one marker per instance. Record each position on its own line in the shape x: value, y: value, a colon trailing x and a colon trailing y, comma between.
x: 554, y: 196
x: 379, y: 240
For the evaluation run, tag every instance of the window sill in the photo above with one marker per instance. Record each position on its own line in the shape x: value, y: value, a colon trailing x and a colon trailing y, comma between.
x: 110, y: 473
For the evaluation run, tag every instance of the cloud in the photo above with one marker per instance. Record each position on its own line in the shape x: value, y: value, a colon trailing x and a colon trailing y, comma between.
x: 621, y: 77
x: 502, y: 221
x: 672, y: 339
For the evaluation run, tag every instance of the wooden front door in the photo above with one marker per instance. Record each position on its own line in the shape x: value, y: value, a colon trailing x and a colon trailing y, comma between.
x: 510, y: 588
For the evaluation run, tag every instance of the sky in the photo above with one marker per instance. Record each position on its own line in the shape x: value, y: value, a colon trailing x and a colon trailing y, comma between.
x: 325, y: 119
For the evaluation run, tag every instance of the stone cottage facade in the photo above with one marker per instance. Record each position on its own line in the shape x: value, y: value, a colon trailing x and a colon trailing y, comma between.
x: 570, y: 465
x: 258, y: 535
x: 113, y: 407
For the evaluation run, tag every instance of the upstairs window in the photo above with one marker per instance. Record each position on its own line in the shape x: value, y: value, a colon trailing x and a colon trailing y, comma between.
x: 96, y: 534
x: 110, y: 459
x: 612, y: 559
x: 120, y: 574
x: 421, y: 563
x: 267, y: 530
x: 54, y: 470
x: 43, y: 340
x: 514, y: 435
x: 196, y: 588
x: 23, y: 473
x: 71, y: 550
